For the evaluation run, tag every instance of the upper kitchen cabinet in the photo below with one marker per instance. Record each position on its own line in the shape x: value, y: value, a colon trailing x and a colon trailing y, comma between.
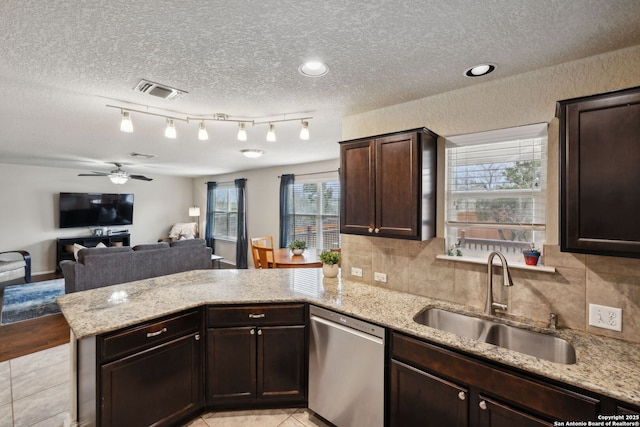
x: 599, y: 174
x: 388, y: 185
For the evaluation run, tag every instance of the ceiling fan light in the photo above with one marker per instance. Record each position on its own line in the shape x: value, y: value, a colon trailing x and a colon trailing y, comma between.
x: 242, y: 132
x: 271, y: 135
x: 203, y: 135
x: 126, y: 125
x: 119, y: 177
x: 304, y: 131
x: 170, y: 130
x: 252, y: 153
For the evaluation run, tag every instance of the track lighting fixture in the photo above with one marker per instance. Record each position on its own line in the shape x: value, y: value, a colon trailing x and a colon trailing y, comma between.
x: 242, y: 132
x: 126, y: 125
x: 304, y: 132
x: 203, y: 135
x: 271, y: 134
x: 252, y: 153
x: 170, y: 130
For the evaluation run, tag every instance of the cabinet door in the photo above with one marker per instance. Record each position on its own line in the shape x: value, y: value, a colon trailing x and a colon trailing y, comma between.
x: 421, y: 399
x: 155, y: 387
x: 231, y: 365
x: 494, y: 414
x: 600, y: 201
x: 397, y: 185
x: 357, y: 191
x: 282, y: 364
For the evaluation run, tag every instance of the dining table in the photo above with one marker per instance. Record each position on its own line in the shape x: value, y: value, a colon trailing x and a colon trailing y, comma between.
x: 284, y: 258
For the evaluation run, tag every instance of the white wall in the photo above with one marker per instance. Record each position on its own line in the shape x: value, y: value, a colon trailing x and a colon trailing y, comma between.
x: 29, y: 208
x: 263, y: 200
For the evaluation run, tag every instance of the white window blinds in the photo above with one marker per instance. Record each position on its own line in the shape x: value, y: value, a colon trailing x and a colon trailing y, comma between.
x: 496, y: 190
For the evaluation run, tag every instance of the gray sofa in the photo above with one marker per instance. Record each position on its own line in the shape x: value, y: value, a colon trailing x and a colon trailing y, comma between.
x: 98, y: 267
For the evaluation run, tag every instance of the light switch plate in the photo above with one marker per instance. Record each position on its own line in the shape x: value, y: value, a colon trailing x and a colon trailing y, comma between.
x: 380, y: 277
x: 356, y: 272
x: 605, y: 317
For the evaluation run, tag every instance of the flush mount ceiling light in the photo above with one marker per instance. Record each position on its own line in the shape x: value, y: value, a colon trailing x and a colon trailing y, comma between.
x: 313, y: 69
x: 170, y: 130
x: 119, y: 177
x: 203, y: 135
x: 479, y: 70
x: 252, y: 153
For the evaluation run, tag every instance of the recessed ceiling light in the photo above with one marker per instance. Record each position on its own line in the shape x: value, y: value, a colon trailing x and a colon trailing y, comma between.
x: 252, y: 153
x: 479, y: 70
x: 313, y: 69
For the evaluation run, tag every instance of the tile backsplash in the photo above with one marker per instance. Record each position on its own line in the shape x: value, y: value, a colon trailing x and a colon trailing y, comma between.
x: 412, y: 267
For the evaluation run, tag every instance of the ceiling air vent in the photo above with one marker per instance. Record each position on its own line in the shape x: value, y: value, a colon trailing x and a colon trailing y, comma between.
x: 159, y: 90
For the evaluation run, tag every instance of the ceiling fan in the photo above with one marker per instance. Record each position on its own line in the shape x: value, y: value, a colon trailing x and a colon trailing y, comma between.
x: 117, y: 176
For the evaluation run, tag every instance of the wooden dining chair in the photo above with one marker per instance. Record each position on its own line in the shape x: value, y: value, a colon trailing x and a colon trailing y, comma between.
x: 265, y: 242
x: 266, y: 257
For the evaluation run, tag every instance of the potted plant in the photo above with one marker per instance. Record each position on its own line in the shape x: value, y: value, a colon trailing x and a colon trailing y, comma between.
x: 298, y: 246
x: 330, y: 262
x: 532, y: 255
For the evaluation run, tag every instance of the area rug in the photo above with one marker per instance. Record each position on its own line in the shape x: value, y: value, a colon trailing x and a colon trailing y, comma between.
x: 22, y: 302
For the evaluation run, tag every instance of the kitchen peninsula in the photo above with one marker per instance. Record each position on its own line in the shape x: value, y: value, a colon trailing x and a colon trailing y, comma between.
x: 606, y: 368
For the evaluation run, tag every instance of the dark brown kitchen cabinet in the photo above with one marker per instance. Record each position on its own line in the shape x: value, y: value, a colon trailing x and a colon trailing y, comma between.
x: 388, y: 185
x: 149, y: 374
x: 599, y: 174
x: 456, y: 390
x: 256, y: 355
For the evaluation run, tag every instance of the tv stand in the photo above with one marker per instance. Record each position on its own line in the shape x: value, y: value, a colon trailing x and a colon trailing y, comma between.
x: 64, y: 247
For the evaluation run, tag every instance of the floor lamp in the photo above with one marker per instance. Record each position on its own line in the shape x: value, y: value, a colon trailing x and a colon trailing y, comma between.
x: 193, y: 212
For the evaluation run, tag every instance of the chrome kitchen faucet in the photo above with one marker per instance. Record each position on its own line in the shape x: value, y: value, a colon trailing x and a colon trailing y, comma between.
x: 490, y: 305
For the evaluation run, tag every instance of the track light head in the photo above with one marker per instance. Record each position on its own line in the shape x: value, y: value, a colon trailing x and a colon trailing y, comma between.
x: 242, y: 132
x: 170, y: 130
x: 304, y: 131
x: 126, y: 125
x: 203, y: 135
x: 271, y: 135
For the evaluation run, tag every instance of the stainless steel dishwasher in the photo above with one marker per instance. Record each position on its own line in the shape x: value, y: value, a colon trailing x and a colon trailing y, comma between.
x: 346, y: 369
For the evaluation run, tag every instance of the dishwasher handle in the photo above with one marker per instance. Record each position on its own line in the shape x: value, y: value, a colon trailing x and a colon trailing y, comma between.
x: 346, y: 329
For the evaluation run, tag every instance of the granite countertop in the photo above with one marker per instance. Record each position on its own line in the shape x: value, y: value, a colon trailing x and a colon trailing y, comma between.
x: 604, y: 365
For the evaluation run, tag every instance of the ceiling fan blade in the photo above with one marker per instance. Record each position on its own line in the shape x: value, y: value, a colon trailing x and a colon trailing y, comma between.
x: 140, y: 177
x: 93, y: 174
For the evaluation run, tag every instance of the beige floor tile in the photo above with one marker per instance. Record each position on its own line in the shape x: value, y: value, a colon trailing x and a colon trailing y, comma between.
x: 6, y: 416
x: 5, y: 383
x: 55, y: 421
x: 261, y: 418
x: 308, y: 418
x: 41, y: 406
x: 41, y: 379
x: 41, y: 359
x: 291, y: 422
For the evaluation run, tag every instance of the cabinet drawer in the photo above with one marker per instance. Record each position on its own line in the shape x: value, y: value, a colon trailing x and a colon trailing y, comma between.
x: 281, y: 314
x: 127, y: 341
x: 548, y: 399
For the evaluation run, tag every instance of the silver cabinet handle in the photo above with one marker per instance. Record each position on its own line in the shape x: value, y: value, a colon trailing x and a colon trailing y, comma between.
x: 256, y: 316
x: 252, y: 332
x: 259, y: 331
x: 377, y: 230
x: 462, y: 396
x: 483, y: 405
x: 197, y: 337
x: 370, y: 230
x: 155, y: 334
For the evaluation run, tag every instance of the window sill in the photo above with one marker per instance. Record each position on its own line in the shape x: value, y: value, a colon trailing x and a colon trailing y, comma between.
x: 517, y: 265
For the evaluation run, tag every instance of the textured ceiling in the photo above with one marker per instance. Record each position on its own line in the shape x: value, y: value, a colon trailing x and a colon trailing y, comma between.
x: 62, y: 62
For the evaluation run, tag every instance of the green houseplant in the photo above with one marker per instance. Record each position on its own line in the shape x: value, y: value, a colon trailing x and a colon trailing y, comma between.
x: 298, y: 246
x: 330, y: 263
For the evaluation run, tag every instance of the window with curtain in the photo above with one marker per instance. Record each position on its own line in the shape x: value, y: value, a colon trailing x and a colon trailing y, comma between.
x: 225, y: 212
x: 496, y: 191
x: 314, y: 212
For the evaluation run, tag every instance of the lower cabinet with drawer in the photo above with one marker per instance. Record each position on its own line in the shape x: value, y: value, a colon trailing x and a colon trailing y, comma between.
x: 256, y: 355
x: 433, y: 386
x: 148, y: 374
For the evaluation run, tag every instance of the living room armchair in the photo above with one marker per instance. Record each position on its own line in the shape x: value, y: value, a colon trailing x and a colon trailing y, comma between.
x: 15, y: 265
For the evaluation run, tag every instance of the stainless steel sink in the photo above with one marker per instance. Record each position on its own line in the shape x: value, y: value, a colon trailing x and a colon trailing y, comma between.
x: 540, y: 345
x: 448, y: 321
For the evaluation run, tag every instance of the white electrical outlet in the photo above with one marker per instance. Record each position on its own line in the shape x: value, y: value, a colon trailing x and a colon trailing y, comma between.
x: 605, y: 317
x: 380, y: 277
x: 356, y: 272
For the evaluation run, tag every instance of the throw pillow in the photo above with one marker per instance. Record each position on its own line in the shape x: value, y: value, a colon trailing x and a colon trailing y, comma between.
x: 101, y: 245
x: 76, y: 249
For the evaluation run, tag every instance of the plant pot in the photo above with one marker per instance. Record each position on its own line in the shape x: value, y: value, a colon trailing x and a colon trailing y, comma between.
x: 531, y: 258
x: 330, y: 270
x: 297, y: 251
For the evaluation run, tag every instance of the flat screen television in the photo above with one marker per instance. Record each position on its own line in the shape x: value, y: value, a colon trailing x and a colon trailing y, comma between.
x: 95, y: 209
